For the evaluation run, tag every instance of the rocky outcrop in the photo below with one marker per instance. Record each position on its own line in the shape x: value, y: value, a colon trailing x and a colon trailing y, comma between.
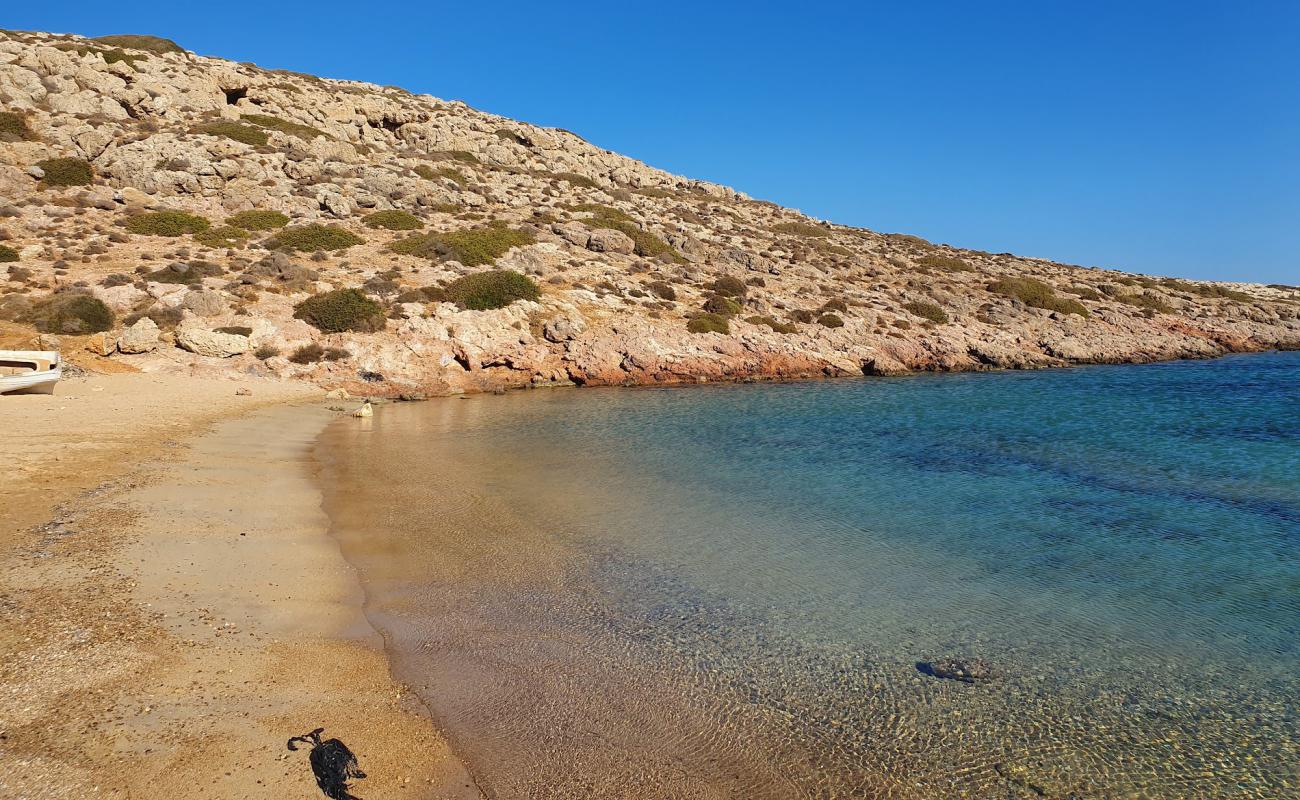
x: 626, y: 257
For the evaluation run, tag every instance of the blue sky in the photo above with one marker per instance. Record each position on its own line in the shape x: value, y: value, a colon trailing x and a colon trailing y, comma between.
x: 1161, y: 137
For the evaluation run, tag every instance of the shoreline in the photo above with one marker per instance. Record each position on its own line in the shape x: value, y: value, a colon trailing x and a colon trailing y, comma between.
x: 159, y: 637
x: 122, y: 612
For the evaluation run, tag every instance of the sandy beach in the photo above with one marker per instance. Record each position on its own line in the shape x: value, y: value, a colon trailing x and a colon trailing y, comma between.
x: 174, y: 608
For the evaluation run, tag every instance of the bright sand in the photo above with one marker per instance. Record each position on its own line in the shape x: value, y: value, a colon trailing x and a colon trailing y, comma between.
x: 174, y: 608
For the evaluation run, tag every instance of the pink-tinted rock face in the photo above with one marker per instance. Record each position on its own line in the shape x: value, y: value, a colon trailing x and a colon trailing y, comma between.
x: 624, y: 256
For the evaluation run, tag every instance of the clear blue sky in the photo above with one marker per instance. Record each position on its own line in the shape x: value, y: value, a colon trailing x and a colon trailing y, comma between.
x: 1161, y: 137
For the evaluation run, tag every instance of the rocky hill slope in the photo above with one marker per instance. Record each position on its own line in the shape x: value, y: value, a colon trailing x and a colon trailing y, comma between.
x: 175, y: 212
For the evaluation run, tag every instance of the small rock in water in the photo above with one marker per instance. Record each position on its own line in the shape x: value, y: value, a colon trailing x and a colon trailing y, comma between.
x: 968, y: 670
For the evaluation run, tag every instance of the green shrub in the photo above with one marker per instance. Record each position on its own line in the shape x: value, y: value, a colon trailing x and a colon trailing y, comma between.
x: 266, y: 351
x: 66, y: 172
x: 1146, y: 300
x: 308, y: 354
x: 1207, y: 290
x: 394, y: 220
x: 341, y: 310
x: 779, y: 327
x: 728, y: 286
x: 718, y: 304
x: 423, y: 294
x: 1036, y: 294
x: 237, y: 131
x: 834, y: 305
x: 166, y: 223
x: 225, y: 236
x: 258, y: 220
x: 944, y: 263
x: 830, y: 321
x: 802, y: 315
x: 13, y: 128
x: 425, y: 171
x: 72, y: 313
x: 139, y: 41
x: 799, y: 229
x: 7, y: 254
x: 928, y: 311
x: 297, y: 129
x: 575, y: 179
x: 662, y: 290
x: 709, y: 323
x: 463, y: 156
x: 185, y: 274
x: 1083, y: 293
x: 472, y: 247
x: 236, y: 330
x: 493, y: 289
x: 310, y: 238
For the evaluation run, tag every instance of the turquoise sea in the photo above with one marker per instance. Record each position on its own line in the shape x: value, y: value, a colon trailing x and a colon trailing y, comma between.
x: 734, y: 590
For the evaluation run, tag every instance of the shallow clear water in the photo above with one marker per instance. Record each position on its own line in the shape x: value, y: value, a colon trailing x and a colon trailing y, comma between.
x: 728, y: 591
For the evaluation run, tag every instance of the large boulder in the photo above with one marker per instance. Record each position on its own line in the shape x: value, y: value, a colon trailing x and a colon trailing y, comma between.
x: 212, y: 344
x: 204, y: 303
x: 142, y: 337
x: 606, y: 240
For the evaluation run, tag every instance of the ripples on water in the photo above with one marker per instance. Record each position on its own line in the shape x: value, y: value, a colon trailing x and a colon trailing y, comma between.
x: 726, y: 591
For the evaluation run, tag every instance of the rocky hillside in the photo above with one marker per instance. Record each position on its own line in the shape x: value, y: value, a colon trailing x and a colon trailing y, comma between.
x: 174, y: 212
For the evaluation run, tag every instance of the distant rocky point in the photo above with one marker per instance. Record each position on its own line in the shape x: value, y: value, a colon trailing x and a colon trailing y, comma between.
x: 174, y: 212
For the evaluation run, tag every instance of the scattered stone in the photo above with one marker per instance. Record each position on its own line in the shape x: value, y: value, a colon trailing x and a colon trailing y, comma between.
x: 967, y: 670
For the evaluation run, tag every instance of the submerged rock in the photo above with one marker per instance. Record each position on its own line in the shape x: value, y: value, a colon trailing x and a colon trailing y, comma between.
x: 967, y: 670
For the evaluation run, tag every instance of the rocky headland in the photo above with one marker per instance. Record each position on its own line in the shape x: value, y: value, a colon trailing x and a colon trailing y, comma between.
x: 168, y: 212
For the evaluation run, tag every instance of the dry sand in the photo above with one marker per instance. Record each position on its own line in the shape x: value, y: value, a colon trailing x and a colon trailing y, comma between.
x: 172, y: 607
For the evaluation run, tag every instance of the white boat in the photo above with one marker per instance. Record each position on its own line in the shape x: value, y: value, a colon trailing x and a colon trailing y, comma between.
x: 29, y: 371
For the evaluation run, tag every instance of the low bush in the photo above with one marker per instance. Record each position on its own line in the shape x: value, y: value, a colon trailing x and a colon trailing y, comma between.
x: 430, y: 173
x: 834, y: 305
x: 472, y: 247
x: 1207, y: 290
x: 310, y: 238
x: 266, y: 351
x: 166, y: 223
x: 423, y: 294
x: 800, y: 229
x: 395, y: 220
x: 662, y: 290
x: 341, y: 310
x: 645, y: 244
x: 719, y: 304
x: 297, y: 129
x: 575, y: 179
x: 13, y: 128
x: 1036, y: 294
x: 307, y: 354
x: 72, y: 313
x: 709, y: 323
x: 944, y: 263
x: 779, y: 327
x: 165, y: 317
x: 225, y: 236
x: 236, y: 330
x: 493, y: 289
x: 1146, y: 300
x: 830, y: 321
x: 258, y: 220
x: 729, y: 286
x: 7, y: 254
x: 928, y: 311
x: 802, y: 315
x: 186, y: 274
x: 139, y: 41
x: 246, y: 134
x: 1083, y: 293
x: 66, y: 172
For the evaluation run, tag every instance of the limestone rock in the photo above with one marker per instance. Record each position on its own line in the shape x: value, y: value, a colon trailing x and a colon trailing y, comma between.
x: 605, y: 240
x: 142, y: 337
x: 212, y: 344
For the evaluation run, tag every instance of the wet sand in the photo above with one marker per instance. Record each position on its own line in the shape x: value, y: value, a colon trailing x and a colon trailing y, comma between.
x: 174, y: 608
